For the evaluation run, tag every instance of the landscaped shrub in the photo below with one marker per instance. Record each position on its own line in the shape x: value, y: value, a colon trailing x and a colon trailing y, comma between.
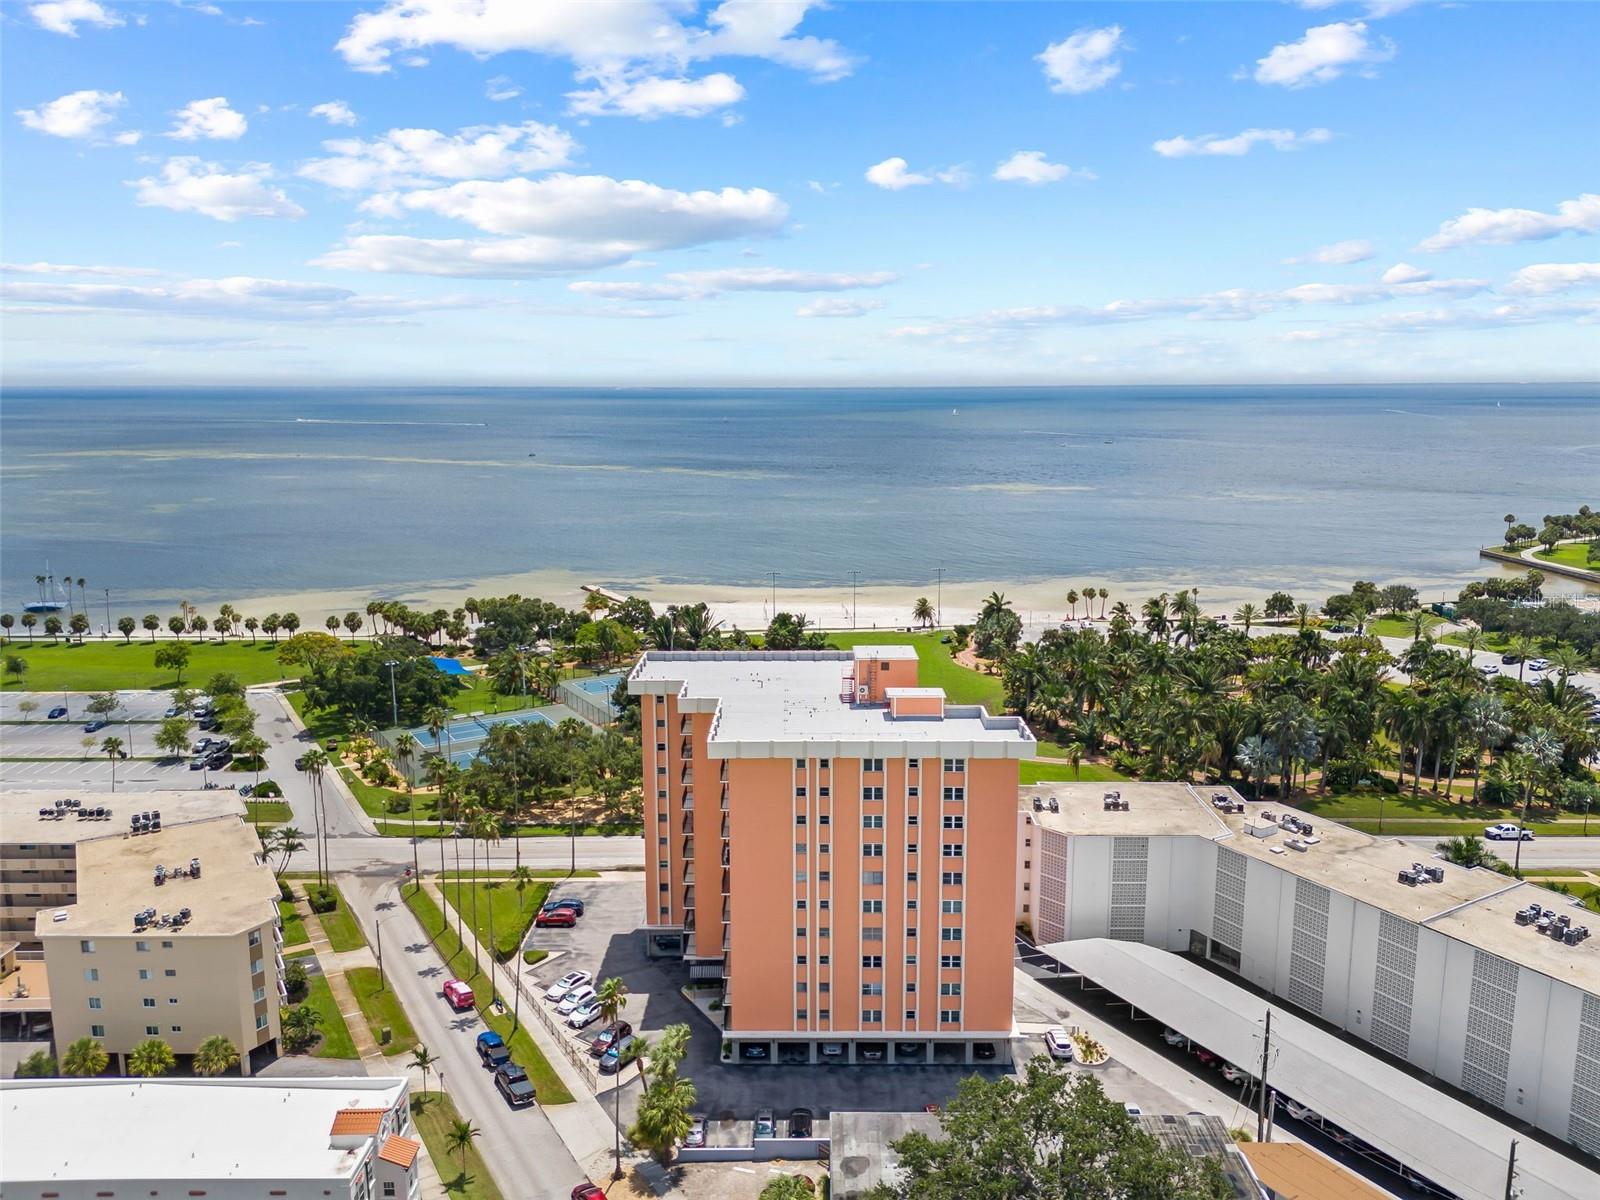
x: 294, y: 979
x: 285, y: 892
x: 267, y: 789
x: 322, y: 900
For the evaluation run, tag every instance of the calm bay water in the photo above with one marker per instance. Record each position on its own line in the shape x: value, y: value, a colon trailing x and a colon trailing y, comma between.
x: 221, y: 494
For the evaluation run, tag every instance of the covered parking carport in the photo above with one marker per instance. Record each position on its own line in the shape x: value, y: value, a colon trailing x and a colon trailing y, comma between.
x: 1449, y: 1143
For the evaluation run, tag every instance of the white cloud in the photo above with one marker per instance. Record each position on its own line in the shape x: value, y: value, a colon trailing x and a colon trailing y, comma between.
x: 704, y: 285
x: 1506, y: 226
x: 557, y: 224
x: 211, y: 119
x: 620, y: 290
x: 239, y: 296
x: 1406, y: 273
x: 75, y: 115
x: 1322, y: 55
x: 1085, y: 61
x: 49, y: 268
x: 128, y: 137
x: 1339, y: 254
x: 832, y: 306
x: 650, y: 96
x: 64, y: 16
x: 893, y: 175
x: 1239, y: 143
x: 502, y: 87
x: 1031, y: 166
x: 189, y: 185
x: 416, y: 157
x: 635, y: 54
x: 1543, y: 278
x: 335, y: 112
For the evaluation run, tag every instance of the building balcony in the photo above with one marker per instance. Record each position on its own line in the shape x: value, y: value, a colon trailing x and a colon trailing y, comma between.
x: 724, y: 797
x: 688, y: 847
x: 726, y: 889
x: 687, y: 777
x: 724, y: 828
x: 688, y: 897
x: 688, y: 823
x: 726, y: 857
x: 687, y: 803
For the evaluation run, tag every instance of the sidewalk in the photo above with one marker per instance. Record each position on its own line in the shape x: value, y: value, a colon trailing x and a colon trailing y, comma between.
x: 333, y: 968
x: 584, y: 1125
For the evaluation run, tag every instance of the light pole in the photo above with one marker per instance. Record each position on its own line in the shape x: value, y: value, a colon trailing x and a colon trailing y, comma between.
x: 773, y: 577
x: 855, y: 577
x: 108, y: 612
x: 394, y: 696
x: 383, y: 983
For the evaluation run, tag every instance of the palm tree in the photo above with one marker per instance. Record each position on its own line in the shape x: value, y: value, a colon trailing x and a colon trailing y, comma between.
x: 437, y: 719
x: 215, y: 1056
x: 1466, y: 851
x: 1105, y: 594
x: 995, y: 603
x: 313, y: 763
x: 612, y: 996
x: 1302, y: 614
x: 922, y: 611
x: 460, y: 1138
x: 663, y: 1118
x: 1487, y: 726
x: 1072, y: 604
x: 111, y: 747
x: 423, y: 1061
x: 85, y: 1058
x: 405, y: 751
x: 285, y: 840
x: 150, y: 1058
x: 1247, y: 615
x: 486, y: 826
x: 1523, y: 648
x: 522, y: 878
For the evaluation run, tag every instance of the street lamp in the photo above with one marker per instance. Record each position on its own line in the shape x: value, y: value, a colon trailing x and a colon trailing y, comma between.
x: 394, y: 696
x: 383, y: 983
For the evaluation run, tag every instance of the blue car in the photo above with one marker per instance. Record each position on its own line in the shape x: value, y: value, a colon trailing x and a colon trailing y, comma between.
x: 492, y: 1049
x: 56, y: 713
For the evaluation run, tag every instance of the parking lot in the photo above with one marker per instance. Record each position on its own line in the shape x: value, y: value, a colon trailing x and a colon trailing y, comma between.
x: 608, y: 942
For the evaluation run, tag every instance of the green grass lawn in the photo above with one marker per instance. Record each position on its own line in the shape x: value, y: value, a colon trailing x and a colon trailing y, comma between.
x: 108, y: 666
x: 433, y: 1115
x: 269, y: 812
x: 375, y: 800
x: 539, y: 874
x: 477, y: 696
x: 401, y: 827
x: 382, y: 1008
x: 320, y: 723
x: 336, y: 1041
x: 459, y: 962
x: 1051, y: 770
x: 1400, y: 627
x: 936, y: 667
x: 341, y: 927
x: 294, y: 926
x: 512, y: 915
x: 1575, y: 554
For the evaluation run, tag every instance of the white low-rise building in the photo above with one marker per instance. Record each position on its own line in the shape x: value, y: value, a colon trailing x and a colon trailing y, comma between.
x: 1446, y: 969
x: 298, y: 1139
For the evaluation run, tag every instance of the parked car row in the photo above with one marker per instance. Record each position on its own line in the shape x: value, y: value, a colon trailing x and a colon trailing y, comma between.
x: 559, y: 914
x: 1206, y: 1058
x: 575, y: 998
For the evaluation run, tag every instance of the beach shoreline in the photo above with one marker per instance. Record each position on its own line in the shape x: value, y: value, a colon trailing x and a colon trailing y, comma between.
x: 1039, y: 602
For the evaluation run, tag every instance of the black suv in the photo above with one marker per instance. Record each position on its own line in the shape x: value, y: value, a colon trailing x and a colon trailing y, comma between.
x: 513, y: 1083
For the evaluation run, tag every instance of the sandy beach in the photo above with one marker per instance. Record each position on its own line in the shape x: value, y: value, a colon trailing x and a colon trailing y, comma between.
x: 1040, y: 603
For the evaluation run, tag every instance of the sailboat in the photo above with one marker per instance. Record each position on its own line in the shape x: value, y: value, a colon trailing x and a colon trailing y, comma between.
x: 49, y: 603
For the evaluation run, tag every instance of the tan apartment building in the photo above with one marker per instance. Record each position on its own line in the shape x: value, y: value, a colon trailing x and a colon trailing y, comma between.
x: 40, y: 830
x: 836, y: 844
x: 174, y: 935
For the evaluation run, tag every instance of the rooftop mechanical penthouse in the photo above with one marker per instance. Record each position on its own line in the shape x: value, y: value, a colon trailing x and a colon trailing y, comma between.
x: 835, y: 844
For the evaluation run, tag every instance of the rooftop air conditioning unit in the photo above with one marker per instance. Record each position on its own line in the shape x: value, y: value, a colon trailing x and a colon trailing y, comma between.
x: 862, y: 691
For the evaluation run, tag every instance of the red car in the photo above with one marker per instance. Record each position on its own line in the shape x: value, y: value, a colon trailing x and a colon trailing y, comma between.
x: 560, y: 918
x: 587, y: 1191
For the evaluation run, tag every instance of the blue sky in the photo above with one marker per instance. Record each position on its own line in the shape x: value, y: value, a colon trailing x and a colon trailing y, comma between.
x: 780, y: 192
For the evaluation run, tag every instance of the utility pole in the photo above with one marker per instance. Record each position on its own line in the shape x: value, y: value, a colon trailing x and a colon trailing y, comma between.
x: 383, y: 982
x: 855, y: 577
x: 1261, y: 1099
x: 773, y: 577
x: 1511, y: 1173
x: 108, y: 612
x: 394, y: 696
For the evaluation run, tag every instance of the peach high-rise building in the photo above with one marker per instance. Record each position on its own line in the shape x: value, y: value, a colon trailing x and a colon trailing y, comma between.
x: 835, y: 844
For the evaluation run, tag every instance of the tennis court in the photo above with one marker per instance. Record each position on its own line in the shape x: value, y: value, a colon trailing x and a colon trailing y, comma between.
x: 464, y: 736
x: 590, y: 697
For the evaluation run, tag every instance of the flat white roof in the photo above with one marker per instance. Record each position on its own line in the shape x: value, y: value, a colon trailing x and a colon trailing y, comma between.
x: 1453, y: 1144
x: 20, y: 822
x: 132, y: 1130
x: 771, y: 704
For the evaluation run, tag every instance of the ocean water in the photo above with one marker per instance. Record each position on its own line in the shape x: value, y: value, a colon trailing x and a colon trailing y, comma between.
x: 228, y: 493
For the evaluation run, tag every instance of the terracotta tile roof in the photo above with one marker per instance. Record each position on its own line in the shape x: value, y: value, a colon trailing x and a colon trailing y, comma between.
x: 357, y: 1120
x: 1296, y: 1172
x: 401, y: 1151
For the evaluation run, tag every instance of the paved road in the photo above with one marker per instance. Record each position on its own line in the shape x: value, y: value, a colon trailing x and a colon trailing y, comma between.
x: 1546, y: 852
x: 523, y: 1151
x: 390, y: 856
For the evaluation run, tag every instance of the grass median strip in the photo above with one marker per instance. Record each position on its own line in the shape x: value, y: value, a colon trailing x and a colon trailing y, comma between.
x: 512, y: 911
x: 341, y: 927
x: 269, y: 812
x: 336, y: 1041
x: 119, y: 666
x: 458, y: 961
x: 382, y: 1009
x: 464, y: 1177
x: 294, y: 925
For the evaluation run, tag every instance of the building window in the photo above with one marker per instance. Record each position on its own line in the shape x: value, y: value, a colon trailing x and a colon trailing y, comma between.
x: 799, y: 931
x: 799, y: 876
x: 872, y: 821
x: 872, y: 849
x: 800, y: 904
x: 662, y: 886
x: 951, y: 878
x: 872, y: 906
x: 260, y: 995
x: 950, y: 906
x: 955, y: 764
x: 166, y: 945
x: 872, y: 793
x: 872, y: 764
x: 799, y: 793
x: 955, y: 793
x: 172, y: 999
x: 143, y: 974
x: 824, y: 876
x: 911, y: 876
x: 872, y: 877
x: 954, y: 821
x: 950, y: 935
x: 911, y: 847
x: 953, y: 850
x: 823, y: 1014
x: 872, y: 989
x: 152, y: 1030
x: 872, y: 933
x: 823, y: 931
x: 822, y: 961
x: 949, y: 1016
x: 871, y: 962
x: 799, y: 960
x: 822, y: 763
x: 86, y: 947
x: 801, y: 986
x: 871, y: 1016
x: 799, y: 847
x: 824, y: 847
x: 800, y: 819
x: 149, y: 1001
x: 261, y: 1021
x: 911, y: 960
x: 97, y: 1031
x: 823, y: 819
x: 799, y: 764
x: 911, y: 1014
x: 91, y: 974
x: 950, y: 961
x: 799, y: 1014
x: 388, y: 1188
x: 949, y: 989
x: 913, y: 763
x: 911, y: 931
x: 661, y: 747
x: 824, y: 793
x: 94, y: 1002
x: 175, y: 1028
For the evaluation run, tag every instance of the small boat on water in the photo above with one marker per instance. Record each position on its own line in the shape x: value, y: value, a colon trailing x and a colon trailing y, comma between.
x: 49, y: 602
